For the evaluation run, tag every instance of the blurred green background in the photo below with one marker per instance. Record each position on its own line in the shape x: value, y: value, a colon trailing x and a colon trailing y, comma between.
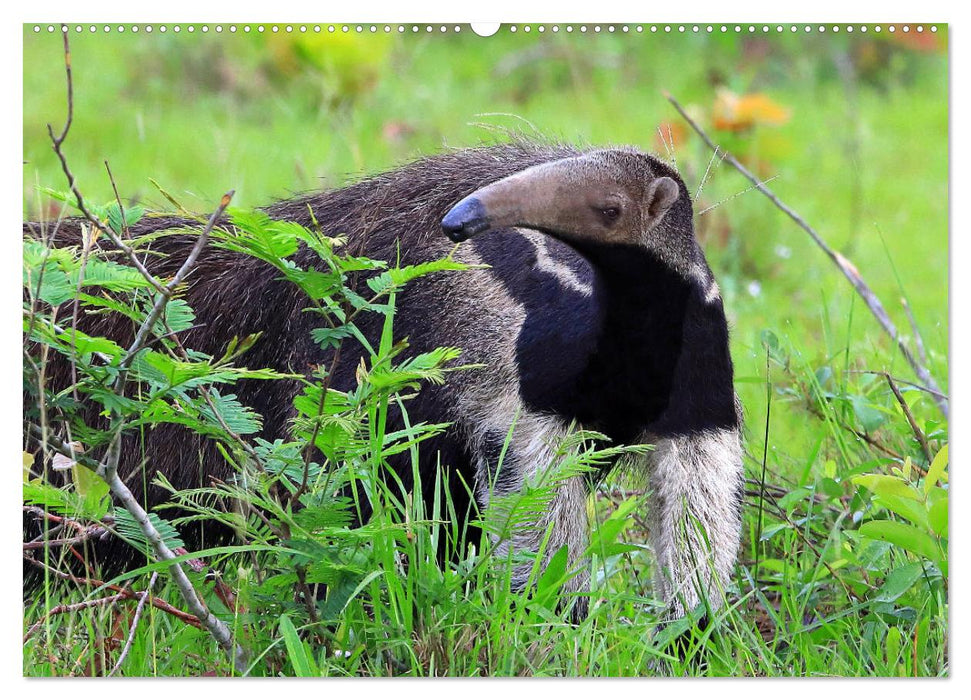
x: 852, y: 129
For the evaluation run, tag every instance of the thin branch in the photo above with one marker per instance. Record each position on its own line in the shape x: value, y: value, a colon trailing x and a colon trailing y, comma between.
x: 882, y: 373
x: 765, y: 459
x: 57, y: 143
x: 141, y: 337
x: 220, y: 632
x: 134, y: 624
x: 921, y: 438
x: 89, y: 533
x: 845, y: 266
x: 872, y: 442
x: 157, y: 603
x: 72, y: 607
x: 309, y: 449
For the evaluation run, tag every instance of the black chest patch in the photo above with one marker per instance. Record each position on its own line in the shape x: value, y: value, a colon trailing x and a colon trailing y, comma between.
x: 557, y: 288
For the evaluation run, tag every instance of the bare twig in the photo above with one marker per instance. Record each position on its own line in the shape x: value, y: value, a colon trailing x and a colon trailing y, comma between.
x: 845, y: 266
x: 868, y: 439
x: 72, y: 607
x: 308, y: 450
x: 765, y: 458
x: 108, y: 469
x: 123, y: 494
x: 882, y: 373
x: 185, y: 617
x: 134, y: 624
x: 141, y: 337
x: 89, y: 533
x: 921, y: 438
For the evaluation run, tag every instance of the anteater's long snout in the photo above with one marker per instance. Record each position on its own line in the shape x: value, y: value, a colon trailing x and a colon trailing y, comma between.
x: 465, y: 219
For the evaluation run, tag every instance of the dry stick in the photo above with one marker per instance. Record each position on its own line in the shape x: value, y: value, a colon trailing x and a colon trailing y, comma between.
x: 58, y: 142
x: 166, y: 293
x: 308, y: 454
x: 73, y: 607
x: 134, y: 624
x: 910, y: 419
x: 109, y: 471
x: 120, y: 490
x: 872, y: 442
x: 883, y: 373
x: 845, y: 266
x: 89, y: 534
x: 125, y: 592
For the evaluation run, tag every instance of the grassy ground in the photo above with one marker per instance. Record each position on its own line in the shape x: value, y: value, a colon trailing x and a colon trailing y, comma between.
x: 861, y: 153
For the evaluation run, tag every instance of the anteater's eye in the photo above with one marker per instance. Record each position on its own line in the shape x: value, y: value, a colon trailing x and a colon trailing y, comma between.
x: 610, y: 214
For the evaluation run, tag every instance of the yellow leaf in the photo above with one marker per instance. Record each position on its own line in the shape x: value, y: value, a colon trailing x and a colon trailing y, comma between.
x: 936, y: 471
x: 733, y: 112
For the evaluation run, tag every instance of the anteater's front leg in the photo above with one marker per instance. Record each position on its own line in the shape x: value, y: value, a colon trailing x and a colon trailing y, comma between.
x: 531, y: 459
x: 696, y: 483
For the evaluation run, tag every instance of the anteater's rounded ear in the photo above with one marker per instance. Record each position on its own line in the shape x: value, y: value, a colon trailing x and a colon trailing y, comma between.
x: 663, y: 194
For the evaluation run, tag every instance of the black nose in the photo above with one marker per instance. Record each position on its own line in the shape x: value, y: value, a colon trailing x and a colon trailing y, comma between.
x: 465, y: 219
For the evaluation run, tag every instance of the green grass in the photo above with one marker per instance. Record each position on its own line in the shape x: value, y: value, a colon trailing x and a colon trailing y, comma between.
x: 863, y: 159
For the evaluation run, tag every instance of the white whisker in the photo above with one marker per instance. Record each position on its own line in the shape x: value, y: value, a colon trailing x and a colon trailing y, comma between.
x: 710, y: 169
x: 737, y: 194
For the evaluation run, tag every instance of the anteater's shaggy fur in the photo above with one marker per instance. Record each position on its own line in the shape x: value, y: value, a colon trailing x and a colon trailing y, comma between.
x: 628, y: 340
